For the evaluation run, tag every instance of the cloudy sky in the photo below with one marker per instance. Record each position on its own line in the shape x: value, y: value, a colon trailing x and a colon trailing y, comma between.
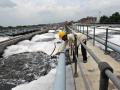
x: 26, y: 12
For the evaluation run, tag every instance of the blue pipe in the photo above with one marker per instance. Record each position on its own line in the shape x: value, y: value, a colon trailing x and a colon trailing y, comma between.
x: 60, y: 79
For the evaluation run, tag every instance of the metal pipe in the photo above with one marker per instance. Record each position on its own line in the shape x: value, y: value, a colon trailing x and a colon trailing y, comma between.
x: 110, y: 45
x: 75, y: 64
x: 94, y: 37
x: 60, y: 79
x: 83, y: 28
x: 114, y: 25
x: 109, y: 74
x: 87, y: 32
x: 106, y: 40
x: 86, y: 80
x: 113, y: 78
x: 80, y: 28
x: 77, y: 28
x: 104, y: 79
x: 75, y: 53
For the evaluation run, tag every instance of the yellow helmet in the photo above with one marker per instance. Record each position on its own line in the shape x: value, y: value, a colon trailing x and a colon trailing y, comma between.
x: 61, y: 34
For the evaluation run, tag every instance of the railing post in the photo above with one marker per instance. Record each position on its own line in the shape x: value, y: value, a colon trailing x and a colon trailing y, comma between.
x: 106, y: 72
x: 80, y: 28
x: 87, y: 32
x: 83, y: 29
x: 104, y: 80
x: 76, y: 27
x: 106, y: 40
x: 75, y: 52
x: 94, y: 37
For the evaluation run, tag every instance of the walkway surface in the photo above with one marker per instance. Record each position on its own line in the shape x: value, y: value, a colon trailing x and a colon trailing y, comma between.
x: 88, y: 73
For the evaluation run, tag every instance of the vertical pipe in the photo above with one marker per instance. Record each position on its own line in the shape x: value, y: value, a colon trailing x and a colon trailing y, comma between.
x: 94, y: 37
x: 60, y: 79
x: 106, y: 40
x: 104, y: 79
x: 83, y: 29
x: 103, y: 82
x: 76, y: 27
x: 75, y: 53
x: 75, y: 43
x: 80, y: 28
x: 87, y: 31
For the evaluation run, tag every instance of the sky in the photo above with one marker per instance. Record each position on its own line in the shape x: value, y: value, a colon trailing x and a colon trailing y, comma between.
x: 29, y: 12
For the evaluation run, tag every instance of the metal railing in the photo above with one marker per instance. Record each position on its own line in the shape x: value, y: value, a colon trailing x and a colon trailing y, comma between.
x: 105, y: 41
x: 106, y: 71
x: 60, y: 79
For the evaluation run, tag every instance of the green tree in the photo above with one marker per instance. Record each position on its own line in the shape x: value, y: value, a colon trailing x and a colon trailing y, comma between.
x: 115, y: 18
x: 104, y: 19
x: 1, y: 27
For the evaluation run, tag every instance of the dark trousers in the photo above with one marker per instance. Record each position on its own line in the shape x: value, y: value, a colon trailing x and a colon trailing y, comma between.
x: 84, y: 53
x: 83, y: 50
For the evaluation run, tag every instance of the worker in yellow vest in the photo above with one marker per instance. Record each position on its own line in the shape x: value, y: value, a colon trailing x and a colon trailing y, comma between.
x: 69, y: 38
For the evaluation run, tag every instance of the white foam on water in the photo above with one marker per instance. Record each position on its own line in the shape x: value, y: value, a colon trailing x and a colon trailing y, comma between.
x: 37, y: 43
x: 43, y: 83
x: 3, y: 38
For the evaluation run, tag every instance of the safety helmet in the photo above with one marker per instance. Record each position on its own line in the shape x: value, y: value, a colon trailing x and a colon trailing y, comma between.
x: 61, y: 34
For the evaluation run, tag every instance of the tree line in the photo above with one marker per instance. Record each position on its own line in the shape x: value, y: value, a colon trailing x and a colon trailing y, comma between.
x: 113, y: 19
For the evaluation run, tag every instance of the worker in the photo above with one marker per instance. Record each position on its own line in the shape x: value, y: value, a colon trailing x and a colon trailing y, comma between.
x: 69, y: 38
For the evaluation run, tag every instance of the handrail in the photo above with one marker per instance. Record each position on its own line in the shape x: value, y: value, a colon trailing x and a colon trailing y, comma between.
x: 95, y: 24
x: 105, y: 68
x: 112, y: 76
x: 90, y: 51
x: 104, y: 42
x: 110, y: 45
x: 105, y: 28
x: 60, y: 79
x: 87, y: 84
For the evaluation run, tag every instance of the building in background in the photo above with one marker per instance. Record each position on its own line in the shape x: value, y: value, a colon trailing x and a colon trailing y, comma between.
x: 88, y: 20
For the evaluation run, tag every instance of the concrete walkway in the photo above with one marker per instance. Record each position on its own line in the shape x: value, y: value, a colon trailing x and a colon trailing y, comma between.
x: 89, y: 74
